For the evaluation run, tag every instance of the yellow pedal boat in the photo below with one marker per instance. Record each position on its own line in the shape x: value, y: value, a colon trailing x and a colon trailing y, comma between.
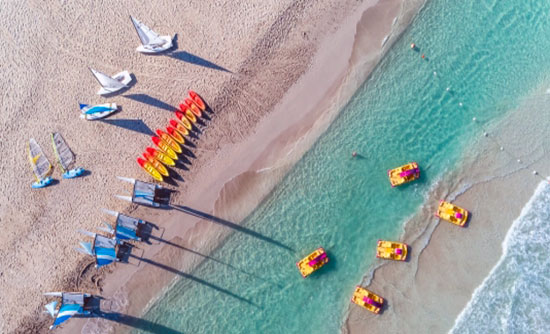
x: 391, y: 250
x: 452, y: 213
x: 367, y: 299
x: 312, y: 262
x: 404, y: 174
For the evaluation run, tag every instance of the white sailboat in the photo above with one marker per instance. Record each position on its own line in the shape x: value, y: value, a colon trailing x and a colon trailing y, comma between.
x: 111, y: 84
x: 151, y: 42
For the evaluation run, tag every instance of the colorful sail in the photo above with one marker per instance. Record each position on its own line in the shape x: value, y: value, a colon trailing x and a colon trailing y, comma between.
x: 40, y: 164
x: 65, y: 156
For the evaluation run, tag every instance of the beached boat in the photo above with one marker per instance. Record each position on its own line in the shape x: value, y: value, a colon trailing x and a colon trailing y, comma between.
x: 404, y: 174
x: 169, y: 140
x: 112, y: 84
x: 198, y: 100
x: 367, y: 299
x: 161, y: 156
x: 180, y: 118
x: 98, y: 111
x: 452, y: 213
x: 184, y: 131
x: 145, y: 193
x: 126, y: 227
x: 150, y: 169
x: 164, y: 147
x: 186, y: 115
x: 391, y: 250
x: 151, y: 42
x: 65, y: 157
x: 41, y: 166
x: 157, y: 164
x: 102, y: 248
x: 72, y: 303
x: 175, y: 134
x: 194, y: 108
x: 312, y: 262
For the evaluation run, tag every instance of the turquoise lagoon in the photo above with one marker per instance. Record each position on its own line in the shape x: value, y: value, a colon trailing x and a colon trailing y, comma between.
x: 481, y: 58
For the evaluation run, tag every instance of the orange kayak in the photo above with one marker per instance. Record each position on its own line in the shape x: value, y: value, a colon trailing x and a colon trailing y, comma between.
x: 168, y: 139
x: 158, y: 166
x: 181, y: 129
x: 165, y: 147
x: 160, y: 156
x: 198, y: 100
x: 184, y: 120
x: 175, y: 134
x: 188, y: 113
x: 194, y: 108
x: 148, y: 167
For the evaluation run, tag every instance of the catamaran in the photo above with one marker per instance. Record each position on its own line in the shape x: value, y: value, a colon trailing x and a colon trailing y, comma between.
x: 145, y: 193
x: 41, y: 167
x: 126, y: 227
x: 98, y: 111
x: 65, y: 157
x: 102, y: 248
x: 111, y: 84
x: 72, y: 303
x: 151, y: 42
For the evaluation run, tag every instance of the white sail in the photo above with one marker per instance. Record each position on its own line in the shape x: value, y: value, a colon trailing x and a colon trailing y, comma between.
x: 146, y: 35
x: 40, y: 164
x: 106, y: 81
x: 64, y: 154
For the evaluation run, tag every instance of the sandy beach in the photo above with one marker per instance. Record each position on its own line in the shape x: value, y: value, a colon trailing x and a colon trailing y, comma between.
x: 262, y: 68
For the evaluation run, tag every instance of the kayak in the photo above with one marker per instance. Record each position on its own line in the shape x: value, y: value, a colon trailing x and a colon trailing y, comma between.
x: 161, y: 156
x: 168, y: 139
x: 183, y: 120
x: 188, y: 113
x: 178, y: 126
x: 148, y: 167
x: 198, y: 100
x: 165, y: 147
x: 175, y: 134
x: 194, y: 108
x: 158, y: 166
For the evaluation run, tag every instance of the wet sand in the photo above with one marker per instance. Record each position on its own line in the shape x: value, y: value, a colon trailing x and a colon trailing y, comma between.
x: 261, y: 67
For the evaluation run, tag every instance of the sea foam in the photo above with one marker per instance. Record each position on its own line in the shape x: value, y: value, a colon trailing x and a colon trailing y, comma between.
x: 513, y: 298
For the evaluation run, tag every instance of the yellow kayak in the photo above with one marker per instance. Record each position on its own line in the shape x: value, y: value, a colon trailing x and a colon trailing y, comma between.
x: 175, y: 134
x: 171, y: 142
x: 178, y: 126
x: 157, y: 164
x: 391, y: 250
x: 150, y: 169
x: 183, y: 120
x: 188, y: 113
x: 165, y: 147
x: 160, y: 156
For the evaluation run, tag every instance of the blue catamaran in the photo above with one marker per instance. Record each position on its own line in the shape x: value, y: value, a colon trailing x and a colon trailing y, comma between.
x: 148, y: 194
x: 126, y: 227
x: 72, y: 303
x: 102, y: 248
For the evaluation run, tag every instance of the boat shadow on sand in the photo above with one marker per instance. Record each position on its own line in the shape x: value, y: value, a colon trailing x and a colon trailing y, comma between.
x: 149, y: 100
x: 136, y: 125
x: 137, y: 323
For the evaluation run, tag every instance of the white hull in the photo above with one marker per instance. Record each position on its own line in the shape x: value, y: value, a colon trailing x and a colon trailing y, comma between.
x: 156, y: 48
x: 122, y: 77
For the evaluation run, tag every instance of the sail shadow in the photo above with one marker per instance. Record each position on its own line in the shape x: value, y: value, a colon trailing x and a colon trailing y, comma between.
x: 152, y: 101
x: 191, y: 58
x: 137, y: 323
x: 227, y: 223
x: 136, y: 125
x: 194, y: 279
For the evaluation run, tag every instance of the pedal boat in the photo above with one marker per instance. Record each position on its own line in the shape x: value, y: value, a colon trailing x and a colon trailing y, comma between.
x: 367, y: 299
x: 312, y: 262
x: 391, y: 250
x: 452, y: 213
x: 404, y: 174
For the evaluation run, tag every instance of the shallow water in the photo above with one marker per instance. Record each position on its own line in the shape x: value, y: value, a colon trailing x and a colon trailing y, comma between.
x: 478, y: 62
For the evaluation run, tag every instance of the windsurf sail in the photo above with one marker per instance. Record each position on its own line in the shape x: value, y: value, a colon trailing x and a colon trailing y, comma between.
x: 40, y: 164
x: 106, y: 81
x: 65, y: 156
x: 146, y: 35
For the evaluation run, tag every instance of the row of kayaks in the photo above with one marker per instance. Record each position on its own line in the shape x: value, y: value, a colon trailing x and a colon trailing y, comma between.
x: 169, y: 142
x: 389, y: 250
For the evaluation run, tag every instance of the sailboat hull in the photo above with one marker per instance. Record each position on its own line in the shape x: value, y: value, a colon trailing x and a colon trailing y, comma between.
x: 97, y: 111
x: 156, y: 48
x: 42, y: 183
x: 123, y: 77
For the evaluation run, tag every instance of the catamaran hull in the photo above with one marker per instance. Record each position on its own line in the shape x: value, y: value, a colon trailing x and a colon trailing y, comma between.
x: 123, y: 77
x: 151, y: 49
x: 71, y: 174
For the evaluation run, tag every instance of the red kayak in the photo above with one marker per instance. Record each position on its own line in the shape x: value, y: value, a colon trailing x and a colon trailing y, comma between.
x: 197, y: 99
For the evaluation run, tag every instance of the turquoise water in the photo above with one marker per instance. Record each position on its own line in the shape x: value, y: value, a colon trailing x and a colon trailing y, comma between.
x: 489, y: 54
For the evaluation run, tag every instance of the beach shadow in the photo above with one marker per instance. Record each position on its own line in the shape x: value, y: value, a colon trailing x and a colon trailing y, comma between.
x: 227, y: 223
x: 123, y: 90
x: 149, y: 100
x: 409, y: 252
x: 195, y: 279
x: 136, y: 125
x: 138, y: 323
x: 196, y: 60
